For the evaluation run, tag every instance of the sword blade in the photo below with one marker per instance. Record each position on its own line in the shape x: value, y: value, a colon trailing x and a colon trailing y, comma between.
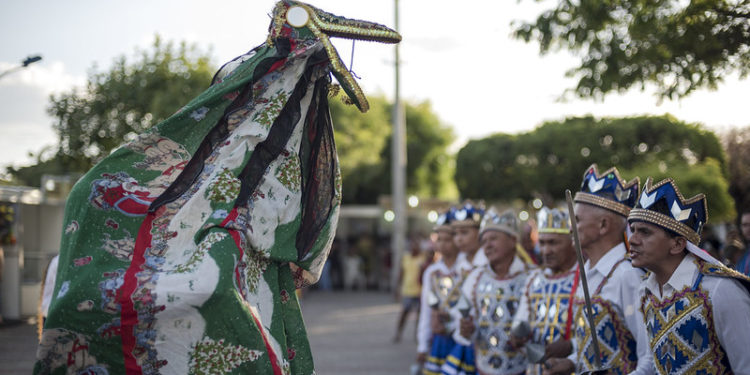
x: 584, y: 283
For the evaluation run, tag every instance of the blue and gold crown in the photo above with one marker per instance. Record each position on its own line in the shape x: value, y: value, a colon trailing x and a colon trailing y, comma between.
x: 663, y: 205
x: 553, y: 220
x: 468, y: 215
x: 505, y: 222
x: 443, y: 222
x: 608, y: 190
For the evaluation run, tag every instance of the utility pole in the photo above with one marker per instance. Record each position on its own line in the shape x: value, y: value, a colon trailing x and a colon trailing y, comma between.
x: 398, y: 171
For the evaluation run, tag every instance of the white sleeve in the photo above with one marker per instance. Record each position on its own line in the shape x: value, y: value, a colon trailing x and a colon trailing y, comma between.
x: 731, y: 309
x: 424, y: 333
x: 49, y: 285
x: 630, y: 285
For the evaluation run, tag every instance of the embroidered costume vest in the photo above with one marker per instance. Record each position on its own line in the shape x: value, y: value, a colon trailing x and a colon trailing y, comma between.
x: 617, y: 345
x: 681, y: 330
x: 549, y: 298
x: 496, y: 301
x: 446, y: 286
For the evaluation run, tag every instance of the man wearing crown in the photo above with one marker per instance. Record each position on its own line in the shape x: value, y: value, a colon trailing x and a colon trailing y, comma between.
x: 601, y: 209
x: 440, y: 292
x: 696, y: 310
x: 465, y: 225
x: 545, y: 302
x: 492, y: 295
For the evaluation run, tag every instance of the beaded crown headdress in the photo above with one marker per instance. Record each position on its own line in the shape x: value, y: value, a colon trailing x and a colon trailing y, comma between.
x: 469, y: 215
x: 443, y: 222
x: 662, y: 204
x: 553, y: 220
x: 608, y: 190
x: 505, y: 222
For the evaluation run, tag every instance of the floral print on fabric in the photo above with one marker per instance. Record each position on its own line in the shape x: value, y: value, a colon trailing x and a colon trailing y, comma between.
x: 224, y: 188
x: 211, y: 357
x: 165, y: 266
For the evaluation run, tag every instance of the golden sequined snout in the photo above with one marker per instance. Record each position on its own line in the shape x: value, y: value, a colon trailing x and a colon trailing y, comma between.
x: 295, y: 19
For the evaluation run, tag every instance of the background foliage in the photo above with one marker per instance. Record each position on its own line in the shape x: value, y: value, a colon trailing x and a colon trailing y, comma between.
x: 544, y: 162
x: 678, y: 46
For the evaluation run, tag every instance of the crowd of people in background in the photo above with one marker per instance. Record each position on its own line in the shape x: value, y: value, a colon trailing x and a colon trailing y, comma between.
x: 494, y: 295
x: 667, y: 294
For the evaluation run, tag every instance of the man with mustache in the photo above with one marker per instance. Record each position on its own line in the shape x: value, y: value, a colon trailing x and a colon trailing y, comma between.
x: 696, y: 310
x: 545, y: 303
x: 601, y: 210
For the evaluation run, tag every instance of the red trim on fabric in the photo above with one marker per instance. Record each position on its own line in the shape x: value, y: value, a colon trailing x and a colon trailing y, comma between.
x: 569, y: 323
x: 626, y: 241
x: 236, y: 237
x: 128, y: 315
x: 277, y: 65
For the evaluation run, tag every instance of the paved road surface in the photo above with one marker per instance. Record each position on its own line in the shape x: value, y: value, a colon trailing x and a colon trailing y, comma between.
x: 350, y: 333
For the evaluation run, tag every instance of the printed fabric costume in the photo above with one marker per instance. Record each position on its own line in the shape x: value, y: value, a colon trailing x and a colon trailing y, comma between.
x: 613, y: 283
x: 697, y: 323
x: 440, y: 290
x: 183, y: 248
x: 545, y: 302
x: 492, y: 303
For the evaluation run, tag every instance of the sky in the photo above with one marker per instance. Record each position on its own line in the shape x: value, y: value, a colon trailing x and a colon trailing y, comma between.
x: 459, y: 56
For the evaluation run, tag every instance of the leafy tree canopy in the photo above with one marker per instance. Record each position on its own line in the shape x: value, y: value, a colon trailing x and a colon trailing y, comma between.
x: 134, y: 95
x: 364, y: 147
x: 544, y: 162
x: 703, y: 177
x: 118, y: 104
x: 737, y: 145
x: 679, y: 46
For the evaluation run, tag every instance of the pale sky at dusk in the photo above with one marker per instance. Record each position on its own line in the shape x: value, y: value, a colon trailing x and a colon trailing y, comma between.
x: 460, y: 57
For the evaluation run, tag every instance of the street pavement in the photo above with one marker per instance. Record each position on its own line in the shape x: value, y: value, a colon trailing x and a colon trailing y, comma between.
x: 350, y: 333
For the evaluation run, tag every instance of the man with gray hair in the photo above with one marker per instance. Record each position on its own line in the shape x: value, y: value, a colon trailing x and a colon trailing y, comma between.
x: 601, y: 209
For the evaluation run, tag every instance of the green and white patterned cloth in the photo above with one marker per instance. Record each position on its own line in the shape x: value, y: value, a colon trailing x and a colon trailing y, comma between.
x: 182, y: 249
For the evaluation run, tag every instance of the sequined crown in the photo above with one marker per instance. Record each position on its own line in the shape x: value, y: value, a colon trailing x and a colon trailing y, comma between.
x: 608, y: 190
x: 662, y: 204
x: 553, y: 220
x: 505, y: 222
x: 443, y: 222
x: 467, y: 215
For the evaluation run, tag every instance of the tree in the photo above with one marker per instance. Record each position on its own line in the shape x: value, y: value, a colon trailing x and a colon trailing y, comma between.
x: 737, y: 144
x: 702, y: 177
x: 679, y: 46
x: 364, y: 146
x: 544, y: 162
x: 118, y: 104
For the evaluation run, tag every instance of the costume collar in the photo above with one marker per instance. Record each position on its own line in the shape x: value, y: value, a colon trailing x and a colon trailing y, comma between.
x: 516, y: 267
x: 682, y: 276
x: 548, y: 272
x: 605, y: 264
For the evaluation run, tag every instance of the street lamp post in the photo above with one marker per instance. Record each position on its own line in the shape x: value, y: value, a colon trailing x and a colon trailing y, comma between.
x: 398, y: 195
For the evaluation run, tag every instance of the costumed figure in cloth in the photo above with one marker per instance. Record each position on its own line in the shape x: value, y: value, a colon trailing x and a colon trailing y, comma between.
x: 441, y: 289
x: 601, y: 209
x: 493, y: 292
x: 545, y: 304
x: 182, y: 249
x: 696, y: 310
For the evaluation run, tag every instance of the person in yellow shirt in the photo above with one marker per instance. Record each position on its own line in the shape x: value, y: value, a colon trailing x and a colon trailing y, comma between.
x: 410, y: 285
